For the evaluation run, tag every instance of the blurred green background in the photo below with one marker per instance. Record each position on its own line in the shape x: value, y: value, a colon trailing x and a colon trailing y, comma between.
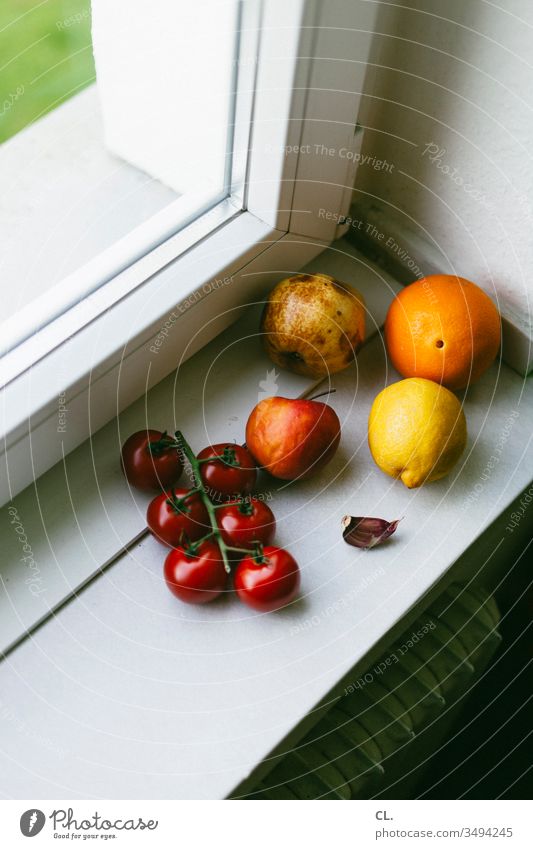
x: 45, y: 58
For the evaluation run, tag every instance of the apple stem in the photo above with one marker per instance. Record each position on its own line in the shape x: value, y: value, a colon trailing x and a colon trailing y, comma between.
x: 321, y: 395
x: 200, y: 488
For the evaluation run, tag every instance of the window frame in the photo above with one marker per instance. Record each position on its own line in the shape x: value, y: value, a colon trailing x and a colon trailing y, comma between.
x: 282, y: 208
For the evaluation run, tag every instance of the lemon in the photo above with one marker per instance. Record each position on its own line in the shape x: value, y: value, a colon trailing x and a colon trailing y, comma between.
x: 416, y: 431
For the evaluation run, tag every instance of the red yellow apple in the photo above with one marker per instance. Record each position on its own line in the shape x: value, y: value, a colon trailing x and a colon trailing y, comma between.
x: 292, y: 438
x: 313, y: 324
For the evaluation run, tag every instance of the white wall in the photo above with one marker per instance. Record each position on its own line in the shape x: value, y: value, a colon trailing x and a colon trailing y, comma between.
x: 458, y: 76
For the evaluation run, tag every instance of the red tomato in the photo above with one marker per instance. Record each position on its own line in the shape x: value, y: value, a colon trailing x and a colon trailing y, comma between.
x: 196, y: 578
x: 177, y: 517
x: 270, y: 583
x: 150, y: 460
x: 232, y: 471
x: 247, y: 521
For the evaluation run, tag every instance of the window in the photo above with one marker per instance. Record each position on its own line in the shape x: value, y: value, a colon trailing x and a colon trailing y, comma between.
x: 225, y: 188
x: 293, y: 138
x: 104, y: 159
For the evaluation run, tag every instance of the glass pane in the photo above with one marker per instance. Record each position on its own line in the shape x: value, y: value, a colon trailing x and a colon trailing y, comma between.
x: 116, y: 126
x: 46, y: 58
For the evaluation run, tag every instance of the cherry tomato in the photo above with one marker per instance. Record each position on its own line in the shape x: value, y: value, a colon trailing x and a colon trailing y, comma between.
x: 198, y: 577
x: 232, y: 470
x: 150, y: 460
x: 269, y: 582
x: 246, y: 521
x: 177, y: 517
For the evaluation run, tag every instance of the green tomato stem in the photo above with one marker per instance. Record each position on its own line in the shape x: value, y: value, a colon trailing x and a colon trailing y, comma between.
x: 187, y: 451
x: 165, y: 442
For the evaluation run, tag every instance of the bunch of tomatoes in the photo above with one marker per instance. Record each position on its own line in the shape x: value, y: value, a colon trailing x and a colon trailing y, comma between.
x: 213, y: 528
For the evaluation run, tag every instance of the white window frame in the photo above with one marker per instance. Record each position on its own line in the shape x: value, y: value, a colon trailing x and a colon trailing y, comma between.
x: 294, y: 199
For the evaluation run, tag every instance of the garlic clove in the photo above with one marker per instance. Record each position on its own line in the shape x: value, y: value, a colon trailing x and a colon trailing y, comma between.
x: 365, y: 531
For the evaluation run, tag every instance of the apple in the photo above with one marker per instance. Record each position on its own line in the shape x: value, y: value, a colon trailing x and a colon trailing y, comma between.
x: 292, y: 438
x: 313, y: 324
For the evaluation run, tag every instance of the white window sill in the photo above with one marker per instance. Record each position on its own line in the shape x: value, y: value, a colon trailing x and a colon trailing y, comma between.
x: 124, y: 690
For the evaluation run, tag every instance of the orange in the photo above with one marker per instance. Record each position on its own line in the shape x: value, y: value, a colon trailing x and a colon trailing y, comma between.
x: 443, y: 328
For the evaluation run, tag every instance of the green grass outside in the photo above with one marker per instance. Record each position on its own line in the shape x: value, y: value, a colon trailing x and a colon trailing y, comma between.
x: 45, y: 58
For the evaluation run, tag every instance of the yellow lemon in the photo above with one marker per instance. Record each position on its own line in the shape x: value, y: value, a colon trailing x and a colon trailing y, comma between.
x: 416, y: 431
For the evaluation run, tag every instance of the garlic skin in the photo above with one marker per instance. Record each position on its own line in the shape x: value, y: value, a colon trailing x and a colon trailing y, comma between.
x: 365, y: 531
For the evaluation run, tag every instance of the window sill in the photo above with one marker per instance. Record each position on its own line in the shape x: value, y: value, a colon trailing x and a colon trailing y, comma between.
x: 239, y: 683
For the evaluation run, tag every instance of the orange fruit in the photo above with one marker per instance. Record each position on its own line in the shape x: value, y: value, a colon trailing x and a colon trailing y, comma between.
x: 443, y: 328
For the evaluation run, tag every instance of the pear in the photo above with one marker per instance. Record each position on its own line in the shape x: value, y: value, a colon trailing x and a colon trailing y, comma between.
x: 313, y: 324
x: 291, y: 437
